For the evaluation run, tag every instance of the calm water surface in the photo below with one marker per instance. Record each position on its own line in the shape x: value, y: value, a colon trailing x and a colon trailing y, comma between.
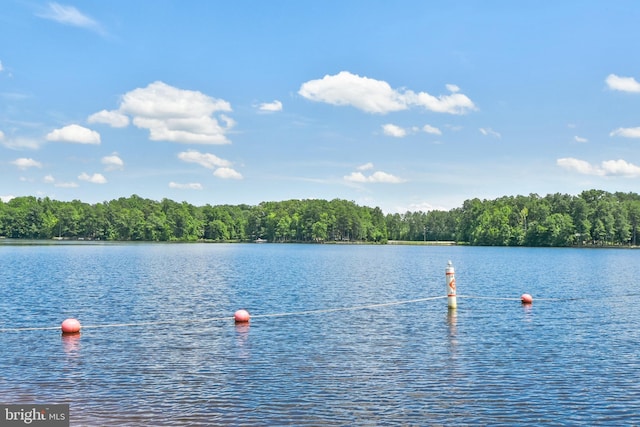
x: 571, y: 358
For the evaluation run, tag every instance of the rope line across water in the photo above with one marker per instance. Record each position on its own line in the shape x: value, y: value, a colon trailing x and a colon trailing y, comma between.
x: 518, y: 299
x: 489, y: 298
x: 294, y: 313
x: 213, y: 319
x: 358, y: 307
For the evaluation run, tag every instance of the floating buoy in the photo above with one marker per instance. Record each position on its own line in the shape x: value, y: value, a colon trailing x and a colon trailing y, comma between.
x: 242, y: 316
x: 451, y: 285
x: 70, y: 326
x: 526, y: 299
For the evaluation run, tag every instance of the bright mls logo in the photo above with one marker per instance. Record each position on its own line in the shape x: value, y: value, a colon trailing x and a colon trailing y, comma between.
x: 34, y: 415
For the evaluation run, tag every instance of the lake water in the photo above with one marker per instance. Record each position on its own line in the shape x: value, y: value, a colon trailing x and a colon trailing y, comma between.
x: 570, y: 358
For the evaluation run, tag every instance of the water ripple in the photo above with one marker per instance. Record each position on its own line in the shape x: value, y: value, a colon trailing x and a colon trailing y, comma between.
x: 491, y: 362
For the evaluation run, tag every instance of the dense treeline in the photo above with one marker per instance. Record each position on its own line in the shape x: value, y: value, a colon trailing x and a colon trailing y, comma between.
x: 594, y: 217
x: 138, y: 219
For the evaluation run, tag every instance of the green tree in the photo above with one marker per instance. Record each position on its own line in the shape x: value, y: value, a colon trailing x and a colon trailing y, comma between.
x: 493, y: 227
x: 633, y: 211
x: 218, y: 230
x: 319, y: 231
x: 555, y: 230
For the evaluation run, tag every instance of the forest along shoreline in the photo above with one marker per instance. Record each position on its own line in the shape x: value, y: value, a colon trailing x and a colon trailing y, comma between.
x: 593, y: 218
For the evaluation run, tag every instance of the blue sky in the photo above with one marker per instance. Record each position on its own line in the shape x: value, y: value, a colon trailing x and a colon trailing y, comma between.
x: 408, y: 105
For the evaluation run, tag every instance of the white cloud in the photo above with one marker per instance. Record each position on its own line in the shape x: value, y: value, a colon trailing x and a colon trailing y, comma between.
x: 177, y: 115
x: 159, y: 100
x: 344, y: 88
x: 69, y: 15
x: 399, y: 132
x: 222, y: 168
x: 113, y: 118
x: 624, y: 84
x: 626, y: 132
x: 25, y: 163
x: 578, y: 165
x: 452, y: 88
x: 432, y: 130
x: 74, y: 133
x: 620, y: 167
x: 96, y: 178
x: 420, y: 207
x: 20, y: 143
x: 607, y: 168
x: 49, y: 179
x: 580, y: 139
x: 356, y: 177
x: 423, y: 206
x: 189, y: 186
x: 1, y: 67
x: 380, y: 176
x: 377, y: 96
x: 365, y: 167
x: 113, y: 162
x: 1, y: 136
x: 66, y: 184
x: 456, y: 103
x: 376, y: 177
x: 227, y: 173
x: 393, y: 130
x: 207, y: 160
x: 271, y: 106
x: 6, y: 199
x: 490, y: 132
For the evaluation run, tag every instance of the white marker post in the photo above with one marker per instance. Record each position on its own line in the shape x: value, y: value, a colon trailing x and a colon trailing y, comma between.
x: 450, y: 274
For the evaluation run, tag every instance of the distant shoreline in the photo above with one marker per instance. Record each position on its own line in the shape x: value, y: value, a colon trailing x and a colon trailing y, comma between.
x: 65, y: 241
x: 423, y: 243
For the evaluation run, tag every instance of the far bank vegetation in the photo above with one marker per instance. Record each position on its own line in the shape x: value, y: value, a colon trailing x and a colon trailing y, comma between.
x: 592, y: 218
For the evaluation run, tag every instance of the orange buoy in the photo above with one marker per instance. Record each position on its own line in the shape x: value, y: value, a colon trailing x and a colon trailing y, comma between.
x: 70, y: 326
x: 242, y: 316
x: 526, y: 299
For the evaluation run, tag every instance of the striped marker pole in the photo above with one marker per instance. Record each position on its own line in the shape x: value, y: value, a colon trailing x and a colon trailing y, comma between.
x: 450, y: 274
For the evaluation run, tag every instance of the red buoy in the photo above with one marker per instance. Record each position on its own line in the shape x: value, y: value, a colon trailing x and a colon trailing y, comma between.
x: 70, y: 326
x: 526, y: 299
x: 242, y: 316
